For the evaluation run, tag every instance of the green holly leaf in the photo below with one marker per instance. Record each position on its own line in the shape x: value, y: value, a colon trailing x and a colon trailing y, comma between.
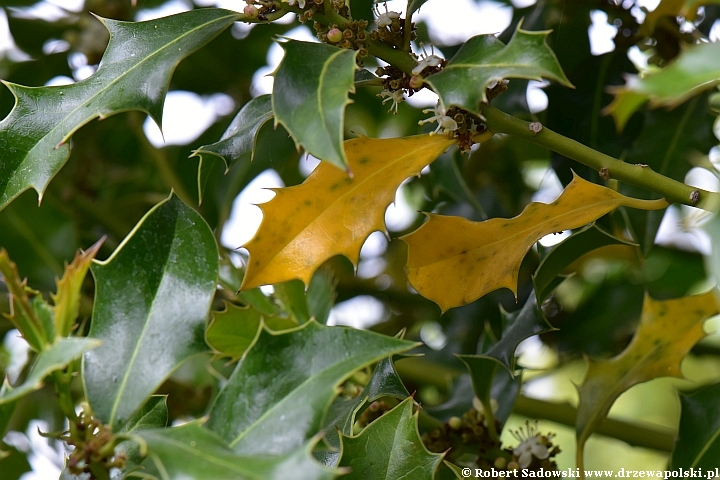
x: 190, y: 451
x: 695, y: 70
x: 291, y: 378
x: 390, y: 447
x: 66, y: 301
x: 154, y: 414
x: 384, y: 382
x: 29, y: 312
x: 239, y: 139
x: 133, y: 75
x: 484, y: 59
x: 583, y: 241
x: 310, y: 94
x: 526, y: 322
x: 152, y: 300
x: 233, y: 330
x: 698, y: 441
x: 491, y: 383
x: 62, y: 352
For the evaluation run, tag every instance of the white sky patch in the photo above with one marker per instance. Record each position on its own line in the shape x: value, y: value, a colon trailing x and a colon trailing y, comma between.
x: 60, y: 80
x: 714, y: 34
x: 448, y: 28
x: 18, y: 350
x: 679, y: 229
x: 400, y: 215
x: 361, y: 312
x: 262, y: 82
x: 166, y: 9
x: 536, y: 98
x: 245, y: 216
x: 49, y: 10
x: 601, y: 33
x: 375, y: 245
x: 8, y: 49
x: 523, y: 3
x: 307, y: 164
x: 431, y: 333
x: 186, y: 116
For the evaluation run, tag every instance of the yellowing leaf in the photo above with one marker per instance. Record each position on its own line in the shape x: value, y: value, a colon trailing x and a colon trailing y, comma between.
x: 453, y: 261
x: 668, y: 330
x: 332, y: 213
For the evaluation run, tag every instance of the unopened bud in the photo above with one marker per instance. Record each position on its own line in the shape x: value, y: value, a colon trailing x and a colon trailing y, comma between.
x: 416, y: 81
x: 455, y: 423
x: 334, y: 35
x: 250, y: 11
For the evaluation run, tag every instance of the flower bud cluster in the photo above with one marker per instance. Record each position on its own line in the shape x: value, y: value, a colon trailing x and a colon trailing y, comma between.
x: 468, y: 433
x: 260, y: 9
x: 93, y: 444
x: 352, y: 37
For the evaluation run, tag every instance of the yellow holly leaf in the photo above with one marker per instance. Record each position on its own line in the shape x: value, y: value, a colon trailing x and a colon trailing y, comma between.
x: 668, y: 330
x: 332, y: 213
x: 454, y: 261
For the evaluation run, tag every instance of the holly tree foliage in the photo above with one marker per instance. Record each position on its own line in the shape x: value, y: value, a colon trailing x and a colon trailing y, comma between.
x: 173, y: 358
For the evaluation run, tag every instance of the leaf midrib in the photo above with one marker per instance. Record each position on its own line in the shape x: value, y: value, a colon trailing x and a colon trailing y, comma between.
x: 619, y: 201
x: 136, y: 350
x: 361, y: 183
x: 112, y: 83
x: 308, y: 381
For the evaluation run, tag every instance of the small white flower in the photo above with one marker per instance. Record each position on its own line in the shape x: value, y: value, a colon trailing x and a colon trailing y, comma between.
x: 300, y: 3
x: 445, y: 123
x: 429, y: 61
x: 396, y: 97
x: 532, y: 445
x: 385, y: 19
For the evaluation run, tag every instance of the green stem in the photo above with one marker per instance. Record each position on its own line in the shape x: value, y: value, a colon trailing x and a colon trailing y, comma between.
x: 655, y: 438
x: 638, y: 175
x: 396, y: 58
x: 65, y: 401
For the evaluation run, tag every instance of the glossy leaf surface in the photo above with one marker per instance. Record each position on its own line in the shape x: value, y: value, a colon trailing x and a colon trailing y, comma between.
x: 332, y: 213
x: 668, y: 330
x: 485, y: 256
x: 696, y: 69
x: 291, y: 379
x: 390, y: 447
x: 239, y: 140
x: 698, y: 441
x: 133, y: 75
x: 62, y: 352
x: 309, y: 96
x: 152, y: 299
x: 233, y: 330
x: 484, y: 59
x: 191, y: 451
